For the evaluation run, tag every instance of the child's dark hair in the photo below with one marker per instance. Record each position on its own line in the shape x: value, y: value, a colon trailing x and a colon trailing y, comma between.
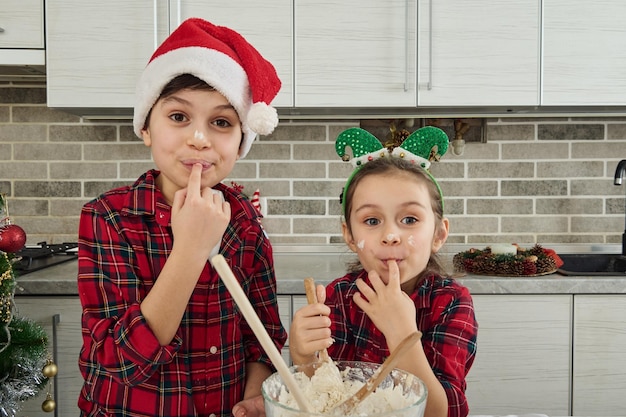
x: 389, y: 165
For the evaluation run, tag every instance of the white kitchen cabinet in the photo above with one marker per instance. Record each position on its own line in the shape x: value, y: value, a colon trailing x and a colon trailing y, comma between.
x: 268, y: 28
x: 61, y: 316
x: 355, y: 53
x: 584, y: 44
x: 22, y: 32
x: 97, y: 50
x: 523, y: 360
x: 479, y: 53
x: 599, y: 381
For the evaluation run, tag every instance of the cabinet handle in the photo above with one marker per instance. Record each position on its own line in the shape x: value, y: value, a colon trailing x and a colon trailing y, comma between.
x: 155, y: 23
x: 56, y: 319
x: 406, y: 45
x: 178, y: 12
x: 429, y: 85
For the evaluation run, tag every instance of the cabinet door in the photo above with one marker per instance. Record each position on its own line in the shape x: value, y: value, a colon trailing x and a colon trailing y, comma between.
x: 355, y: 53
x: 523, y: 357
x: 584, y: 52
x: 69, y: 341
x: 268, y: 26
x: 599, y: 355
x: 21, y: 24
x: 479, y: 53
x: 96, y: 50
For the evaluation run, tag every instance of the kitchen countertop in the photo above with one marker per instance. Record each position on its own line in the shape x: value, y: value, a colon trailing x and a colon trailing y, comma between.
x: 325, y: 263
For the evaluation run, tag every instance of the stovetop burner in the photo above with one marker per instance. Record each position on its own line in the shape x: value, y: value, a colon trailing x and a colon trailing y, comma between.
x: 43, y: 255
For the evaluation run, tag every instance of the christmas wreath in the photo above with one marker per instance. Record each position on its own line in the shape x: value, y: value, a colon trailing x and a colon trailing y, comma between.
x: 525, y: 262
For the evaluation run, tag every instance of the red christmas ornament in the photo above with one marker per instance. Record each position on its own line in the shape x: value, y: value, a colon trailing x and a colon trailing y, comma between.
x: 12, y: 238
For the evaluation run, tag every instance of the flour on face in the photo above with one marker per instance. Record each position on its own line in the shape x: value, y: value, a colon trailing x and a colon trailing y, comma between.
x: 360, y: 244
x: 411, y: 240
x: 198, y: 135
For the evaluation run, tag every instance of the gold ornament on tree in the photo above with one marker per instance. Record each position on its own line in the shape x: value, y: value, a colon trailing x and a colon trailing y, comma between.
x: 49, y: 370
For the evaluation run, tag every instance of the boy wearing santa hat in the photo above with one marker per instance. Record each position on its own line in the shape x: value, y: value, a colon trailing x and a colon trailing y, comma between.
x: 161, y: 334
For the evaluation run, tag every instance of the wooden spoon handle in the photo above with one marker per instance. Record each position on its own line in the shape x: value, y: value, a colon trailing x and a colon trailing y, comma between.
x: 253, y: 320
x: 311, y: 298
x: 381, y: 373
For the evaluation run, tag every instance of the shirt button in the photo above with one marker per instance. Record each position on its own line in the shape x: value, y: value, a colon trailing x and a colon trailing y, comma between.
x: 213, y: 349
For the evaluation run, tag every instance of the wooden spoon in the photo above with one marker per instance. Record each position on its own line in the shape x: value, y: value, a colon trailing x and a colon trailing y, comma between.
x: 377, y: 377
x: 229, y: 279
x: 311, y: 298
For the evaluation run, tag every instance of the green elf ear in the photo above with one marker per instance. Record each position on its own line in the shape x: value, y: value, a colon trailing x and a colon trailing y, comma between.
x: 365, y: 146
x: 426, y: 144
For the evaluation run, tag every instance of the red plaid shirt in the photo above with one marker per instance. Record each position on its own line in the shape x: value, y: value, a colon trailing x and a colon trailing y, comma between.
x: 124, y: 240
x: 445, y: 316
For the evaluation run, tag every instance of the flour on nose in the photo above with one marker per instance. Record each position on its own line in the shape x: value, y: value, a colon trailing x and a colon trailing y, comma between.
x: 391, y: 236
x: 198, y: 135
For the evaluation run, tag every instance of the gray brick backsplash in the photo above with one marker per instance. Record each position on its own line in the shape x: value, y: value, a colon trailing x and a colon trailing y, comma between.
x: 569, y: 206
x: 534, y: 188
x: 265, y: 151
x: 29, y: 207
x: 296, y: 207
x: 571, y: 131
x: 544, y: 179
x: 522, y: 132
x: 115, y: 152
x: 24, y: 170
x: 469, y: 188
x: 535, y: 151
x: 318, y: 188
x: 524, y: 224
x: 296, y: 133
x: 23, y: 132
x: 501, y: 170
x: 292, y: 170
x: 596, y: 224
x: 570, y: 169
x: 616, y: 131
x: 47, y: 151
x: 17, y: 95
x: 83, y: 133
x: 83, y: 170
x: 41, y: 114
x: 132, y: 170
x: 499, y: 206
x: 615, y: 206
x: 584, y: 151
x: 46, y: 188
x: 315, y: 152
x: 4, y: 114
x: 95, y: 188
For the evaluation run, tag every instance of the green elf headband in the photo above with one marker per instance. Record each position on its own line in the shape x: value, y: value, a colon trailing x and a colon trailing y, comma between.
x: 426, y: 144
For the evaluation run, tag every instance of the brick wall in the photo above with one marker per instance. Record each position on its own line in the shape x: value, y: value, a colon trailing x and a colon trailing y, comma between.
x: 546, y: 180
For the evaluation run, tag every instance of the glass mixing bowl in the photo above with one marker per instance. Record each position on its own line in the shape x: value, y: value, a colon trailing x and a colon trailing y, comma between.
x: 407, y: 400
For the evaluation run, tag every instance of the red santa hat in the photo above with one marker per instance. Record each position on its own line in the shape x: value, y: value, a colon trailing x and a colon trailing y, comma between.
x: 223, y: 59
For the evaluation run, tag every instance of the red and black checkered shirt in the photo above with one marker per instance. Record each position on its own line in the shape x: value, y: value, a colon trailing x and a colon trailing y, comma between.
x: 124, y: 240
x: 445, y: 316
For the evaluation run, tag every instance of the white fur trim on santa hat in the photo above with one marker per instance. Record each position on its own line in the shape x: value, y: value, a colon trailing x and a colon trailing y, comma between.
x: 215, y: 68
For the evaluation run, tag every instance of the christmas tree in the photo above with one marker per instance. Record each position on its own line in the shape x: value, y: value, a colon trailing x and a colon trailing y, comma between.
x: 25, y: 365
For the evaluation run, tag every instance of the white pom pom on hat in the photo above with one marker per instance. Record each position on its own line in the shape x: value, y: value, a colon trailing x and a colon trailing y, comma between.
x: 223, y: 59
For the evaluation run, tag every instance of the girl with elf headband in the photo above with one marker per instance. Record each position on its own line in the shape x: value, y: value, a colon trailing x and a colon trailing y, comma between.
x: 393, y: 221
